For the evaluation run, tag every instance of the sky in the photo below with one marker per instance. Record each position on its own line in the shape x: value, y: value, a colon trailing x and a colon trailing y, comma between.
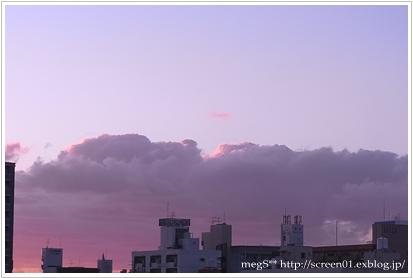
x: 112, y: 111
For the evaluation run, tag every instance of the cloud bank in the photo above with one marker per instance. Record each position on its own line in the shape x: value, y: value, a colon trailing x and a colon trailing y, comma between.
x: 107, y: 193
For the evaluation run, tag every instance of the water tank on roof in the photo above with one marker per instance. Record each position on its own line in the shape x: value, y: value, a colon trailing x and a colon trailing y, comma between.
x: 382, y: 243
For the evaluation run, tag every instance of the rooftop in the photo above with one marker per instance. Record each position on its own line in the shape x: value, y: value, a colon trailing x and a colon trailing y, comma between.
x: 394, y: 222
x: 340, y: 248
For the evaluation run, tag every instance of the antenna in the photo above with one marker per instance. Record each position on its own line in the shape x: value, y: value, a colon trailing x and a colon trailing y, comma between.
x: 215, y: 220
x: 384, y: 210
x: 285, y: 216
x: 224, y: 217
x: 389, y: 214
x: 47, y: 243
x: 167, y: 209
x: 336, y: 232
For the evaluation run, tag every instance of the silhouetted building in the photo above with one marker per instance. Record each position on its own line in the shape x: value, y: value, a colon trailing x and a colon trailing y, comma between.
x: 52, y: 262
x: 382, y: 253
x: 292, y: 234
x: 338, y: 253
x: 396, y: 232
x: 52, y: 259
x: 244, y: 254
x: 77, y: 269
x: 219, y: 238
x: 172, y: 232
x: 9, y: 215
x: 104, y: 265
x: 296, y: 253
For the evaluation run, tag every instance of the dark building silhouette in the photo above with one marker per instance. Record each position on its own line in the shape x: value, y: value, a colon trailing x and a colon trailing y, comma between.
x: 396, y: 232
x: 219, y: 238
x: 9, y: 215
x: 77, y: 269
x: 250, y: 253
x: 338, y: 253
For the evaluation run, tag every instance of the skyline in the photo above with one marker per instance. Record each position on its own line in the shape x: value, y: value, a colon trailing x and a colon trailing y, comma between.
x: 114, y: 111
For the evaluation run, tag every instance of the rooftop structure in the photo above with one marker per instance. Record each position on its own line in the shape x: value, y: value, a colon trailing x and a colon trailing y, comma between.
x: 178, y: 251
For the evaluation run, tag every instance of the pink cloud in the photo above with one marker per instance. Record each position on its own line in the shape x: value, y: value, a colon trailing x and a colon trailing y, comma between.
x: 224, y: 149
x: 220, y: 115
x: 14, y: 150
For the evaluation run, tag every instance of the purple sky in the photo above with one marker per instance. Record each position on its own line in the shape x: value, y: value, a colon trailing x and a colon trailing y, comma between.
x: 293, y: 80
x: 304, y: 76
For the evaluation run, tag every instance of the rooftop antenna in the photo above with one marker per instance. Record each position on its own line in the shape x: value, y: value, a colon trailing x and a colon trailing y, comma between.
x: 336, y: 232
x: 285, y: 216
x: 167, y: 209
x: 384, y: 210
x: 389, y: 214
x: 47, y: 243
x: 224, y: 217
x: 215, y: 220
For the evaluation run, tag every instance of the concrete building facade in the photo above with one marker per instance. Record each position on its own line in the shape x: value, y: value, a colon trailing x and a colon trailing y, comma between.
x: 219, y: 238
x: 178, y: 252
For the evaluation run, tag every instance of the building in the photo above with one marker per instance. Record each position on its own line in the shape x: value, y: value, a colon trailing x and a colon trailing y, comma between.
x: 338, y: 253
x: 178, y: 251
x: 52, y: 262
x: 219, y: 238
x: 77, y: 269
x: 382, y: 252
x: 9, y: 215
x: 172, y: 232
x: 292, y: 234
x: 296, y: 253
x: 104, y: 265
x: 52, y: 259
x: 396, y: 233
x: 242, y: 257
